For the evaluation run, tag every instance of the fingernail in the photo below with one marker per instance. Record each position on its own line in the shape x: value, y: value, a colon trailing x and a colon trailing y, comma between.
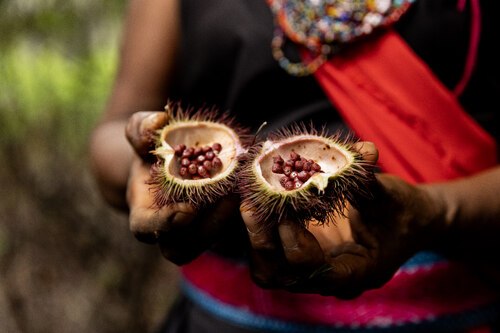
x: 148, y: 122
x: 287, y: 234
x: 181, y: 218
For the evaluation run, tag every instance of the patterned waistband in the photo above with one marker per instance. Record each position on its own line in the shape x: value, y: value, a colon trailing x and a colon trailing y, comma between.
x: 428, y: 294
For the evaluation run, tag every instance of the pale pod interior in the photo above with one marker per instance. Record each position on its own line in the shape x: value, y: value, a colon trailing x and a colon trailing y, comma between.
x: 199, y: 134
x: 331, y: 156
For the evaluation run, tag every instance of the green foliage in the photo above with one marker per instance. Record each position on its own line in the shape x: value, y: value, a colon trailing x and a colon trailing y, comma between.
x: 57, y: 61
x: 43, y: 88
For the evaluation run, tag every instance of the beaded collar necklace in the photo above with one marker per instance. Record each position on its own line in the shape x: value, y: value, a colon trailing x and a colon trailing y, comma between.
x: 322, y: 26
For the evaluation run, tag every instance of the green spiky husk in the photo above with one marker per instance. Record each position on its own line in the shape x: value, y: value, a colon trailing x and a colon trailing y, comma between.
x: 269, y: 204
x: 168, y: 188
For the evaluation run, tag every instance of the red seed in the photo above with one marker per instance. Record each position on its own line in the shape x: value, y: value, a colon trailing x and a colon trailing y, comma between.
x: 278, y: 159
x: 206, y: 149
x: 307, y: 166
x: 289, y: 185
x: 293, y: 174
x: 207, y: 165
x: 316, y: 167
x: 287, y: 170
x: 201, y: 158
x: 179, y: 149
x: 283, y: 180
x: 187, y: 153
x: 277, y: 168
x: 297, y: 184
x: 294, y: 156
x: 299, y: 165
x: 216, y: 163
x: 185, y: 162
x: 202, y: 171
x: 197, y: 151
x: 290, y: 163
x: 183, y: 172
x: 193, y: 169
x: 303, y: 176
x: 210, y: 155
x: 217, y: 147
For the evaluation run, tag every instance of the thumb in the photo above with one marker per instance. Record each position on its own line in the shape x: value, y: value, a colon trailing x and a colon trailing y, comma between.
x: 141, y: 128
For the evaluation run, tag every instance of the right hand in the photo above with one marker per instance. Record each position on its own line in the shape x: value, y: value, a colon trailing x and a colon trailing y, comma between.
x: 181, y: 231
x: 354, y: 252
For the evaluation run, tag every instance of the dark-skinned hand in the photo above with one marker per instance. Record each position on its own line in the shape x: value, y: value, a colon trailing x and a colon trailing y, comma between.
x: 181, y: 231
x: 354, y: 253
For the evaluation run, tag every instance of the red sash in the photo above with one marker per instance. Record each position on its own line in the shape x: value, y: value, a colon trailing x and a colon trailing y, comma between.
x: 387, y: 95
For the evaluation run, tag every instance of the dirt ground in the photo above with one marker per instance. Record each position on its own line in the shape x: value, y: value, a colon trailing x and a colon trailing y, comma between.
x: 68, y: 263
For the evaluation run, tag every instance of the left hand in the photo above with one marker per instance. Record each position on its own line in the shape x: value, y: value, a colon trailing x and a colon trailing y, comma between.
x: 181, y: 231
x: 352, y: 254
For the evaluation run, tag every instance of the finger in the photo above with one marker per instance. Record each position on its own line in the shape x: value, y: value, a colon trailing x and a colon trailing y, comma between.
x: 267, y: 259
x: 343, y: 275
x: 140, y: 130
x: 294, y: 271
x: 334, y: 231
x: 301, y: 249
x: 368, y: 151
x: 184, y: 242
x: 260, y: 237
x: 369, y: 154
x: 354, y: 272
x: 146, y: 219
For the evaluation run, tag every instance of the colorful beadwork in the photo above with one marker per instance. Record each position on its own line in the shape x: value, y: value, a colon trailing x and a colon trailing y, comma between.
x: 321, y: 26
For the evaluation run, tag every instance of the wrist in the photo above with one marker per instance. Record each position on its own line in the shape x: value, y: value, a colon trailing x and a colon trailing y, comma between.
x: 438, y: 217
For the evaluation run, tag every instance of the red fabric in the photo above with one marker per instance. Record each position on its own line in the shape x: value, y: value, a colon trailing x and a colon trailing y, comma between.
x: 413, y: 295
x: 387, y: 95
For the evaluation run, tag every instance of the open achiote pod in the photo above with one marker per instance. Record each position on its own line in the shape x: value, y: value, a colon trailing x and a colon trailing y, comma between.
x: 197, y: 156
x: 303, y: 174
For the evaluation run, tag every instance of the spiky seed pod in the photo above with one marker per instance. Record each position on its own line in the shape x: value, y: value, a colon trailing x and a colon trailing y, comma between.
x: 329, y: 174
x: 197, y: 157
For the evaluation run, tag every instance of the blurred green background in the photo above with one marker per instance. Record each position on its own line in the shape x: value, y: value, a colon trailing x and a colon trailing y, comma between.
x: 68, y: 263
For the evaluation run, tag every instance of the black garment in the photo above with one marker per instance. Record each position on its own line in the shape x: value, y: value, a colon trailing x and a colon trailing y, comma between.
x: 187, y: 317
x: 226, y: 61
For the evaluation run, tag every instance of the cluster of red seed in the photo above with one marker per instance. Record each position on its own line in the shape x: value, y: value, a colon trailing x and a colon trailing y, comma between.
x: 198, y: 162
x: 296, y: 170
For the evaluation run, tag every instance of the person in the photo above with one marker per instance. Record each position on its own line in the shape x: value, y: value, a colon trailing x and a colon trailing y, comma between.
x: 419, y: 92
